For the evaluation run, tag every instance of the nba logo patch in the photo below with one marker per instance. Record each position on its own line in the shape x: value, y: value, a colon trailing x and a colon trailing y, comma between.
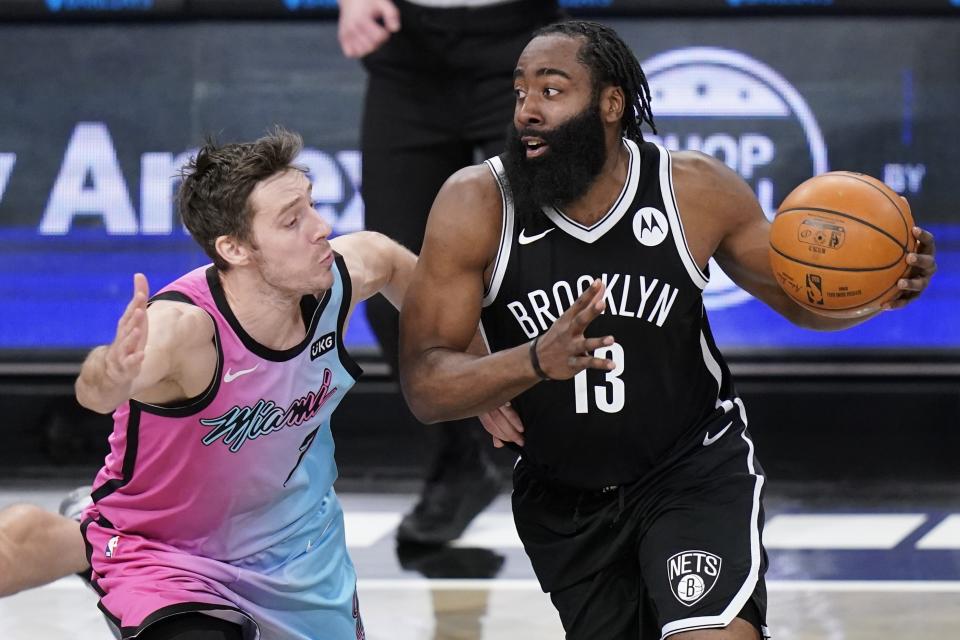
x: 112, y: 546
x: 692, y: 574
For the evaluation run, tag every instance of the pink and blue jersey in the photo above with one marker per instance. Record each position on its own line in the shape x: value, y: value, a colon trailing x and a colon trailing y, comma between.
x: 224, y: 503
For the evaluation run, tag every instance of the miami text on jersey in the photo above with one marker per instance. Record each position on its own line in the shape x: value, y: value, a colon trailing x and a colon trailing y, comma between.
x: 240, y: 424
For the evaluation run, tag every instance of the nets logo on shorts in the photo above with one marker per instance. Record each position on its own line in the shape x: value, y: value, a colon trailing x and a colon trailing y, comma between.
x: 692, y: 574
x: 741, y: 111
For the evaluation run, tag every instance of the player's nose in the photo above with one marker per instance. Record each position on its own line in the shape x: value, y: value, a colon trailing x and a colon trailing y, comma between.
x: 321, y: 229
x: 528, y: 112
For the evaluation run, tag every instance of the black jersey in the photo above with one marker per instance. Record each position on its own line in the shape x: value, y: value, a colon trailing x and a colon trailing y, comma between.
x: 608, y: 428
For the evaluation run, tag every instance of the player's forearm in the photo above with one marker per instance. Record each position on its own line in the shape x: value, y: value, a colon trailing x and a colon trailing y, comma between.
x: 807, y: 319
x: 441, y: 384
x: 403, y: 264
x: 95, y: 390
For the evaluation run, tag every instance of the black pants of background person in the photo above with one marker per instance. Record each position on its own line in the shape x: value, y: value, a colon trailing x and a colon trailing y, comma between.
x: 439, y: 92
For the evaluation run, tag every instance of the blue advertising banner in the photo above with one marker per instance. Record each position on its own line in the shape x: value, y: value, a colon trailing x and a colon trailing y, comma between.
x: 96, y: 119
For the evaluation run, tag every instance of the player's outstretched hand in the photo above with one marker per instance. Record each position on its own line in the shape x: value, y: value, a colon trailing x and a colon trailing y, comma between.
x: 923, y: 264
x: 504, y: 425
x: 364, y: 25
x: 563, y: 351
x: 125, y: 354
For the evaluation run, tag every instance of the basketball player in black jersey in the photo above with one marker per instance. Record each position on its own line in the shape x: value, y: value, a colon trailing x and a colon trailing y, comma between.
x: 637, y: 494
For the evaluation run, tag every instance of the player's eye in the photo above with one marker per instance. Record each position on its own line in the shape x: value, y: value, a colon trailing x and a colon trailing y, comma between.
x: 551, y: 92
x: 519, y: 93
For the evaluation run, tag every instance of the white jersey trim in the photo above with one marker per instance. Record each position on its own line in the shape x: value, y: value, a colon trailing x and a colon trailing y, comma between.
x: 713, y: 367
x: 676, y: 224
x: 502, y: 258
x: 597, y: 230
x: 753, y: 576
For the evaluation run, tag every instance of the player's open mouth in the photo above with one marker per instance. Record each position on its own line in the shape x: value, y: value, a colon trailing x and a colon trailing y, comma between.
x: 535, y: 147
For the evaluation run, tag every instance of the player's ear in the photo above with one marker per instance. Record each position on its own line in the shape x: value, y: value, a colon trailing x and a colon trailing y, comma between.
x: 612, y: 104
x: 233, y: 251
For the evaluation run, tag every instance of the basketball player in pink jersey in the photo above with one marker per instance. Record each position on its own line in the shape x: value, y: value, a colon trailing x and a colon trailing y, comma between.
x: 214, y: 516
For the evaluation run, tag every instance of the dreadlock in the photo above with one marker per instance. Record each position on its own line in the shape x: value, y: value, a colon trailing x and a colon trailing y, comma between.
x: 611, y: 62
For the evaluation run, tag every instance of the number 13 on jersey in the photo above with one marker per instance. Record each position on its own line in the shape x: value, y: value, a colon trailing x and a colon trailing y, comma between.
x: 608, y: 397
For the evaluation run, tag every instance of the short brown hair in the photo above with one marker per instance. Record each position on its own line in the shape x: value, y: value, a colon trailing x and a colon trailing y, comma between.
x: 213, y: 198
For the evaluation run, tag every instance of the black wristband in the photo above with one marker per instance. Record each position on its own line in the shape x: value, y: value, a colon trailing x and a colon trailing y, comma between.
x: 535, y: 360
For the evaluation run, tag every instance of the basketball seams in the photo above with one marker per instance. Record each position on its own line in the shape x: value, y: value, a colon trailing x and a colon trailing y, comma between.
x: 903, y: 217
x: 830, y: 268
x: 857, y: 306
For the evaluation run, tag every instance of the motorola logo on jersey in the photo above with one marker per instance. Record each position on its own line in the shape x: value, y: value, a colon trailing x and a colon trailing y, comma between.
x: 650, y: 226
x: 692, y: 574
x: 741, y: 111
x: 322, y: 344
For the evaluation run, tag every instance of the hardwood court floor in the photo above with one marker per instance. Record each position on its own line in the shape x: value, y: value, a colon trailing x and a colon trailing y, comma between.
x: 842, y: 568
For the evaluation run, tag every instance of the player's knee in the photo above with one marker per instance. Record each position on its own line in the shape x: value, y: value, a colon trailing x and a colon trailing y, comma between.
x: 19, y: 522
x: 16, y: 522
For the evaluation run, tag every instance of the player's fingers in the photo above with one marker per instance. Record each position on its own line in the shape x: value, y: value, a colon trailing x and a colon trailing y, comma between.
x: 140, y: 286
x: 497, y: 442
x: 585, y: 316
x: 129, y: 343
x: 922, y: 262
x: 512, y: 417
x: 926, y: 240
x: 584, y: 300
x: 390, y: 16
x: 913, y: 284
x: 498, y: 425
x: 589, y: 345
x: 128, y: 324
x: 131, y: 363
x: 579, y: 363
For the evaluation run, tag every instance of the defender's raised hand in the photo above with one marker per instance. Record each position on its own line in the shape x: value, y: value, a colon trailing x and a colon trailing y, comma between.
x: 125, y: 354
x: 564, y: 351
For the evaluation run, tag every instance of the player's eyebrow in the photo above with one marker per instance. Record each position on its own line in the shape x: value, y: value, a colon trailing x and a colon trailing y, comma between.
x: 543, y: 71
x: 294, y: 201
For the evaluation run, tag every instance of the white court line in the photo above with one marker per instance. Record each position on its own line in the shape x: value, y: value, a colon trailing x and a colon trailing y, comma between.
x: 945, y: 535
x: 840, y: 531
x: 365, y: 529
x: 876, y: 586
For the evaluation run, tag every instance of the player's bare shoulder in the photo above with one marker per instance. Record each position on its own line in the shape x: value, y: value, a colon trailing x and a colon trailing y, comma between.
x: 466, y: 216
x: 712, y: 200
x: 180, y: 322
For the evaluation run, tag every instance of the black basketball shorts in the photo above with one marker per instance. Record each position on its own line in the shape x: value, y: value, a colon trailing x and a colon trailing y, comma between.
x: 676, y: 551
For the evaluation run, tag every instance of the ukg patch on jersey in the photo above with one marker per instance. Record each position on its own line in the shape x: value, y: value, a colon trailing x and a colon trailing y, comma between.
x: 692, y: 574
x: 322, y: 344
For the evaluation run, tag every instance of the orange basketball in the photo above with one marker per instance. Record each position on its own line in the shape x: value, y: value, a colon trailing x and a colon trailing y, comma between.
x: 839, y: 243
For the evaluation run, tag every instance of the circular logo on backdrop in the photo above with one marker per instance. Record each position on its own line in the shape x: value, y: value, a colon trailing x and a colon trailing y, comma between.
x: 744, y: 113
x: 650, y: 226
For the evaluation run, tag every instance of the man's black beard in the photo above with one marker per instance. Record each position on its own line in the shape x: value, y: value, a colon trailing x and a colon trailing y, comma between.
x: 576, y: 154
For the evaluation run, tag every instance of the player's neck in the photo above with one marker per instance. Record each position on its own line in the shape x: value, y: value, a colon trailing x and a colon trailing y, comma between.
x: 269, y: 315
x: 604, y: 190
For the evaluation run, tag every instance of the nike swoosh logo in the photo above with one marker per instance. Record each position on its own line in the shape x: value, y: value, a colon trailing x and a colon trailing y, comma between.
x: 525, y: 239
x: 230, y: 376
x: 709, y: 440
